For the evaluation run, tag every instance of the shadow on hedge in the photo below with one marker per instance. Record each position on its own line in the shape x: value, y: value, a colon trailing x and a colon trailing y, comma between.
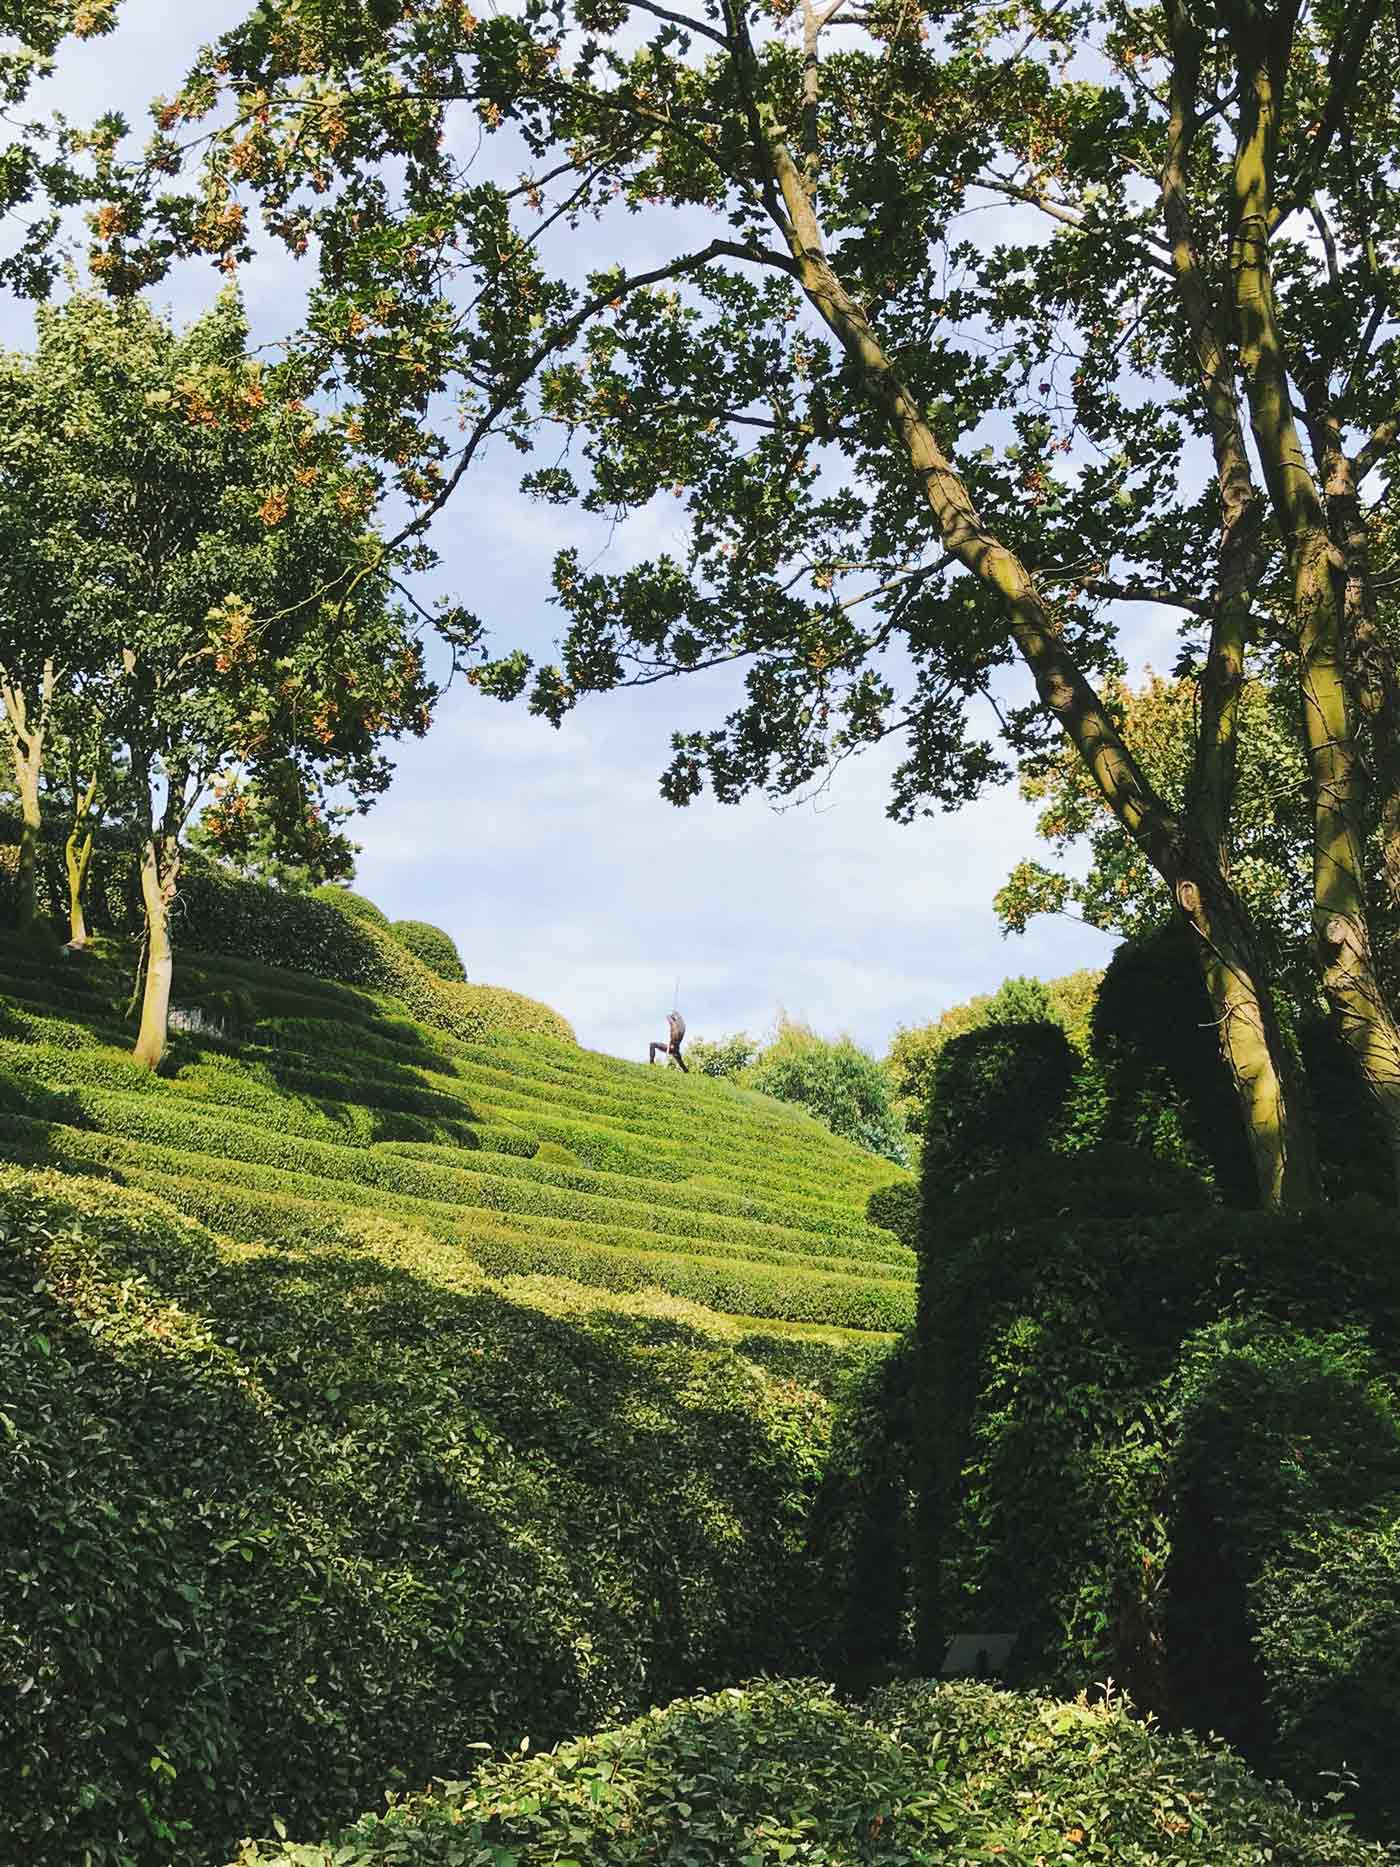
x: 284, y: 1528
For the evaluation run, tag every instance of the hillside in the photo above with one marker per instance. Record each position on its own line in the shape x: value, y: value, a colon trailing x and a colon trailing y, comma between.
x: 369, y: 1393
x: 531, y: 1155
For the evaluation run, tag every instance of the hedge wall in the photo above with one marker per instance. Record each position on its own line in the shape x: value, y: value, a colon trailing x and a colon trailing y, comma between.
x: 1148, y: 1414
x: 278, y: 1530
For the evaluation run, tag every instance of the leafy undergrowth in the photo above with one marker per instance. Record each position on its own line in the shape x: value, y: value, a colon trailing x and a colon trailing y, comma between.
x: 331, y: 1107
x: 283, y: 1525
x: 782, y: 1773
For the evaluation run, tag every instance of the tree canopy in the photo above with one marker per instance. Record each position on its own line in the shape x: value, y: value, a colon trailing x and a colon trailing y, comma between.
x: 907, y: 458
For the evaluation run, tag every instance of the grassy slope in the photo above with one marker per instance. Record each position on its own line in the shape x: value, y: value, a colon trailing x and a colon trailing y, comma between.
x: 536, y: 1158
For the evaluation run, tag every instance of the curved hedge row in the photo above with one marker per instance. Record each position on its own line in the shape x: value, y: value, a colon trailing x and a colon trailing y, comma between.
x: 782, y: 1772
x: 277, y: 1530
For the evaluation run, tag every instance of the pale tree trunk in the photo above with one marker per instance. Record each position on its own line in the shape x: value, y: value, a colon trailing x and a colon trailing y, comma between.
x: 160, y: 871
x: 1341, y: 925
x: 27, y: 744
x: 77, y: 855
x: 1275, y: 1119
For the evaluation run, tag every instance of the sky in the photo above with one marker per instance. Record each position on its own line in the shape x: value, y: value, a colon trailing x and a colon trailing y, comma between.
x: 550, y: 856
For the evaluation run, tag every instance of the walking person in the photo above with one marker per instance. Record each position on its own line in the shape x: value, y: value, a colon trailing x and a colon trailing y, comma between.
x: 671, y: 1049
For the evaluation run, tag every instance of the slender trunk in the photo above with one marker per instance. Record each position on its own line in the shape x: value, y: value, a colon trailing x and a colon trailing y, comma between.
x: 27, y: 743
x: 77, y: 854
x: 160, y: 869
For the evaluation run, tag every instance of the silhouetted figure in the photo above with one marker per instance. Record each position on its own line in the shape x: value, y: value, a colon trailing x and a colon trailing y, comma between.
x: 671, y: 1049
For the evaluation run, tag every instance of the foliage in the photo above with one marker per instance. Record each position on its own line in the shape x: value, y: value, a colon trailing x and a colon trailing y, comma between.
x: 998, y: 1092
x: 784, y: 1772
x: 724, y: 1056
x: 896, y: 1207
x: 841, y: 1084
x: 436, y: 949
x: 325, y: 1559
x: 1147, y: 1415
x: 914, y: 1049
x: 350, y: 903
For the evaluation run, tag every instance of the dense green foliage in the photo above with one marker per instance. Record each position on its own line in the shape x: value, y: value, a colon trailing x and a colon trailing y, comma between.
x: 998, y: 1092
x: 1148, y: 1418
x: 436, y: 949
x: 350, y: 903
x: 841, y: 1084
x: 722, y: 1056
x: 896, y: 1207
x: 915, y: 1049
x: 781, y: 1773
x: 282, y: 1525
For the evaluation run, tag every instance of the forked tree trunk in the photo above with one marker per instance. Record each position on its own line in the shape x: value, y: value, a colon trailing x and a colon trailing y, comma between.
x: 27, y: 743
x: 77, y: 855
x: 160, y: 870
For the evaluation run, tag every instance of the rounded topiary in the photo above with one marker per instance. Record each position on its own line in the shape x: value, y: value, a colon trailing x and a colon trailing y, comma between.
x: 997, y: 1091
x: 896, y: 1208
x: 436, y: 949
x: 359, y: 907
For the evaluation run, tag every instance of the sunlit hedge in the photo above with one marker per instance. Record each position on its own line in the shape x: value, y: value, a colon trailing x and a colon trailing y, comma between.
x: 784, y: 1773
x: 436, y: 949
x: 278, y: 1529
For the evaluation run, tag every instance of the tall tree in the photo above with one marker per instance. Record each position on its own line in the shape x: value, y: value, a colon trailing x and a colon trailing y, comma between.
x: 234, y: 611
x: 827, y: 383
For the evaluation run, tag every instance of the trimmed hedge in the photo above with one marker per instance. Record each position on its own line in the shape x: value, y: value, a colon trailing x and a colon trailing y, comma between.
x: 278, y: 1529
x: 436, y: 949
x: 1147, y: 1415
x: 998, y: 1092
x: 783, y: 1772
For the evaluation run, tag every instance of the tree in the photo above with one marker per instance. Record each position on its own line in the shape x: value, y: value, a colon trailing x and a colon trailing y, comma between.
x: 817, y: 383
x: 841, y: 1084
x: 231, y: 616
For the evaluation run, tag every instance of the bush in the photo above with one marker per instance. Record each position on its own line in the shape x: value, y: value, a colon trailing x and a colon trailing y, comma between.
x: 997, y: 1093
x: 359, y: 907
x: 896, y: 1208
x: 726, y: 1056
x: 436, y: 949
x: 838, y: 1082
x: 1144, y: 1421
x: 783, y: 1772
x: 278, y: 1529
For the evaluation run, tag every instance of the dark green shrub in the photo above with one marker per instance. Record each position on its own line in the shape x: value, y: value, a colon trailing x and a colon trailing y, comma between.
x: 997, y: 1092
x: 280, y: 1529
x: 436, y: 949
x: 896, y: 1207
x: 1140, y: 1426
x: 782, y: 1772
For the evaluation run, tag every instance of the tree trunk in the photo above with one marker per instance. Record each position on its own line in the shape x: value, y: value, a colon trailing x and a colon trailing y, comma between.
x: 1268, y: 1082
x: 160, y: 869
x: 27, y: 773
x: 77, y: 853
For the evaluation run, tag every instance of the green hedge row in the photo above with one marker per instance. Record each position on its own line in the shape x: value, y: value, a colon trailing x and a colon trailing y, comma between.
x: 783, y: 1772
x: 436, y: 949
x: 280, y: 1530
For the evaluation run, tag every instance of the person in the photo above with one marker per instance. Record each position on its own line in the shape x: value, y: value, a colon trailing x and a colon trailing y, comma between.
x: 671, y: 1049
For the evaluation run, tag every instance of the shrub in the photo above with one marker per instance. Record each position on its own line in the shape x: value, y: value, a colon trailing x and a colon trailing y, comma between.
x: 1142, y: 1429
x: 841, y: 1084
x: 436, y: 949
x: 997, y: 1092
x: 726, y: 1056
x: 360, y: 907
x: 278, y: 1529
x: 783, y: 1772
x: 896, y: 1208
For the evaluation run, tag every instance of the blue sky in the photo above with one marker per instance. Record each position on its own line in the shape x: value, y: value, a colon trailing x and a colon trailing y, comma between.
x: 549, y: 856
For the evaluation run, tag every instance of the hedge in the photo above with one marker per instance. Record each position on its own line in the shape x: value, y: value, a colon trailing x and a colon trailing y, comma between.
x: 783, y: 1772
x: 279, y: 1530
x: 436, y: 949
x: 1144, y: 1423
